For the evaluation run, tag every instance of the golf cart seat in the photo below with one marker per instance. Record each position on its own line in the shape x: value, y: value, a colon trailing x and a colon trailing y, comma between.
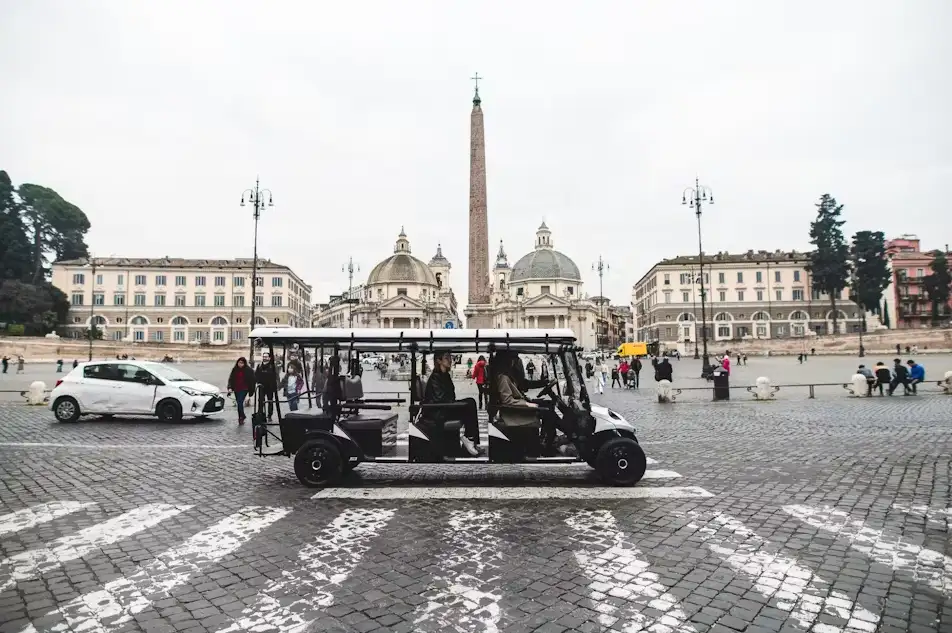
x: 353, y: 388
x: 368, y: 422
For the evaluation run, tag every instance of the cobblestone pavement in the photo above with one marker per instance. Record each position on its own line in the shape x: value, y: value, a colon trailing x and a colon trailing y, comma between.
x: 816, y: 515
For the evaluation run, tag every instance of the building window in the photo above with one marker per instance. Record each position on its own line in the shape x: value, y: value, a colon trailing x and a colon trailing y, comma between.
x: 158, y: 335
x: 798, y: 295
x: 276, y: 301
x: 139, y: 299
x: 667, y: 279
x: 236, y: 335
x: 686, y: 278
x: 219, y: 335
x: 79, y: 279
x: 919, y: 272
x: 722, y: 296
x: 179, y: 280
x: 740, y: 295
x: 219, y: 282
x: 99, y: 299
x: 99, y: 280
x: 121, y: 279
x: 686, y: 297
x: 796, y: 275
x: 402, y: 291
x: 178, y: 335
x: 138, y: 335
x: 76, y: 299
x: 724, y: 331
x: 760, y: 294
x: 117, y: 335
x: 219, y: 300
x: 760, y: 277
x: 667, y: 297
x: 740, y: 277
x: 259, y: 281
x: 238, y: 282
x: 140, y: 280
x: 259, y: 300
x: 776, y: 276
x: 160, y: 280
x: 720, y: 278
x: 159, y: 300
x: 119, y: 299
x: 238, y: 301
x: 779, y: 295
x: 200, y: 301
x: 277, y: 282
x: 200, y: 280
x: 180, y: 300
x: 545, y: 290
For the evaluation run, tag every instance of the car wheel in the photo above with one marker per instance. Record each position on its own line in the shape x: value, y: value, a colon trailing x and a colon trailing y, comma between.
x: 317, y: 463
x: 169, y: 411
x: 66, y: 409
x: 621, y: 462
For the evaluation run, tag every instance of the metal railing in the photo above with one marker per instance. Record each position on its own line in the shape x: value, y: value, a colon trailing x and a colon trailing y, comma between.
x: 810, y: 387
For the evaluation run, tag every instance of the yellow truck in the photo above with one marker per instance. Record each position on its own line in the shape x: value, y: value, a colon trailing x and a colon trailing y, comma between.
x: 632, y: 349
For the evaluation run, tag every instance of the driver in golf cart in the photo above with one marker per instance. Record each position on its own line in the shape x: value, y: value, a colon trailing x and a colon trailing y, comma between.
x: 440, y: 390
x: 509, y: 382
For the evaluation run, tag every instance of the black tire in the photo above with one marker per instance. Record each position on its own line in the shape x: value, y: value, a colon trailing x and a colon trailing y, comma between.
x: 169, y: 411
x: 318, y: 463
x: 66, y: 409
x: 621, y: 462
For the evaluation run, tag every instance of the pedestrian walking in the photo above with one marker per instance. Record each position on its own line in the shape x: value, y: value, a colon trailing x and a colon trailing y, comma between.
x: 292, y: 386
x: 623, y: 370
x: 267, y: 383
x: 479, y: 375
x: 664, y: 371
x: 530, y: 369
x: 75, y: 363
x: 59, y: 366
x: 6, y: 363
x: 636, y: 368
x: 745, y: 360
x: 241, y: 381
x: 20, y: 363
x: 616, y: 377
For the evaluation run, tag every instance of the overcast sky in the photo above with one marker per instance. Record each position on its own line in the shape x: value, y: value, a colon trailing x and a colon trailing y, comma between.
x: 153, y: 117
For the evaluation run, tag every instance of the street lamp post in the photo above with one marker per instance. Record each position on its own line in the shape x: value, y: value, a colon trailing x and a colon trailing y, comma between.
x: 862, y: 312
x: 695, y: 196
x: 694, y: 281
x: 601, y: 266
x: 350, y: 268
x: 92, y: 306
x: 255, y: 197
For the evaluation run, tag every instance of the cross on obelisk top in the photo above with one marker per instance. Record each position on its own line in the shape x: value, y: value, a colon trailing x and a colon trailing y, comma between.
x: 476, y: 78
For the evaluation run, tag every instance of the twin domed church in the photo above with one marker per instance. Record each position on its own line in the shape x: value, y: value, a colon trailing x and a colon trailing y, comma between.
x: 543, y: 289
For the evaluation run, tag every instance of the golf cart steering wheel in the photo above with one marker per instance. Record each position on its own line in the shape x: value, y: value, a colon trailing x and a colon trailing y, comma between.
x: 549, y: 391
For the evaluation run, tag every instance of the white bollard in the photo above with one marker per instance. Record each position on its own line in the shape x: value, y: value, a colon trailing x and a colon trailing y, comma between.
x: 857, y: 386
x: 763, y: 391
x: 947, y: 383
x: 665, y: 393
x: 37, y: 393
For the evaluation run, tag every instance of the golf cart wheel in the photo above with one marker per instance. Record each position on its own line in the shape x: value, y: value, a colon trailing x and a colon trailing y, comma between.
x: 66, y: 409
x: 621, y: 462
x: 317, y: 463
x: 169, y: 411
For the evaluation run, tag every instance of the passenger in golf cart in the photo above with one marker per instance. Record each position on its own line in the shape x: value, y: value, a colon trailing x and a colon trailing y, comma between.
x: 440, y: 390
x: 515, y: 409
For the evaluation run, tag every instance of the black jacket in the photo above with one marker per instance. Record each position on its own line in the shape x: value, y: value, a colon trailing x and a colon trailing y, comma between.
x: 883, y: 375
x: 664, y: 371
x: 439, y: 390
x: 901, y: 372
x: 266, y: 376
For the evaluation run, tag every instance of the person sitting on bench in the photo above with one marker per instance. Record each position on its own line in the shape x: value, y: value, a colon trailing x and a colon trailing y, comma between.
x: 440, y: 390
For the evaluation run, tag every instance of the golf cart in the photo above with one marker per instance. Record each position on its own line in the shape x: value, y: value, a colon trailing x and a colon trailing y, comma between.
x: 348, y: 429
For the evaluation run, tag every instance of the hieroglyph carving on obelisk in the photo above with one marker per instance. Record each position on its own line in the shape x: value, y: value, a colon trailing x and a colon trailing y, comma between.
x: 478, y: 219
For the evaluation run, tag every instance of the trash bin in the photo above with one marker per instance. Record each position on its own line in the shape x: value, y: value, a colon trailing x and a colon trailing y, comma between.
x: 722, y: 384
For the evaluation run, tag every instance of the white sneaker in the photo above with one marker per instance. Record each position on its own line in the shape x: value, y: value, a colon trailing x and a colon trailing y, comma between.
x: 469, y: 445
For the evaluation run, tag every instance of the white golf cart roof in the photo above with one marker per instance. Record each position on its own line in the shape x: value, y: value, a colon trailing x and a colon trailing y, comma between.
x: 425, y: 340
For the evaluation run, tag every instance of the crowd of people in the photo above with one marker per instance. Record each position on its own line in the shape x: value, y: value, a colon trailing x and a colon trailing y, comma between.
x: 886, y: 380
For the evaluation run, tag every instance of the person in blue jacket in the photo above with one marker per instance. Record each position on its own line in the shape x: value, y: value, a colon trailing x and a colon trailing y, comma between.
x: 917, y: 374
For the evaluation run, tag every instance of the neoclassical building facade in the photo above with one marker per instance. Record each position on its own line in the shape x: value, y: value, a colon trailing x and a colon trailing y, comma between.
x: 400, y: 292
x: 543, y: 289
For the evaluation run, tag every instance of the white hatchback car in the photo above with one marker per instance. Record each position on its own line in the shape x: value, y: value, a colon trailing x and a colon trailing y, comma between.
x: 132, y: 388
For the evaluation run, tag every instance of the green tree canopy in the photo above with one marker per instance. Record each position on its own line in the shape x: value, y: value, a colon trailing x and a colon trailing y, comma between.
x: 938, y: 285
x: 55, y: 226
x: 870, y: 269
x: 829, y: 261
x: 41, y: 306
x: 15, y: 252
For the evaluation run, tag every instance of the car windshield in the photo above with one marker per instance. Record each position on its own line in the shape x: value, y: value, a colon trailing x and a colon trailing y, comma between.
x: 167, y: 372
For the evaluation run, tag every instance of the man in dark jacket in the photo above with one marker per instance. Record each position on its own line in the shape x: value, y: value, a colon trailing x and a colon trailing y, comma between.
x: 440, y: 390
x: 901, y: 377
x: 664, y: 371
x: 266, y: 378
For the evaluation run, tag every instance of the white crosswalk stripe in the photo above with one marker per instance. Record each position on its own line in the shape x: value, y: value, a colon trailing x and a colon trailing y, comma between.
x: 796, y: 589
x: 466, y: 592
x: 35, y: 515
x: 925, y: 565
x: 940, y: 518
x: 34, y: 562
x: 619, y: 570
x: 279, y: 604
x: 120, y: 600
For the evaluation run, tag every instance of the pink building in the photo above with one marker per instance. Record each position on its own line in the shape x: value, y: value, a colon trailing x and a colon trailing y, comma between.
x: 910, y: 305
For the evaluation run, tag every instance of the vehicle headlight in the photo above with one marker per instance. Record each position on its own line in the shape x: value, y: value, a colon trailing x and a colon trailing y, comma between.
x: 192, y: 392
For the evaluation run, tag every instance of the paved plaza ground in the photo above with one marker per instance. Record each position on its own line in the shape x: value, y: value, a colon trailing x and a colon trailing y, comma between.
x: 830, y: 514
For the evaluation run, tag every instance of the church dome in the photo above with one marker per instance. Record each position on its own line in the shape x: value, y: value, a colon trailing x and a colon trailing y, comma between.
x: 401, y: 267
x: 544, y: 262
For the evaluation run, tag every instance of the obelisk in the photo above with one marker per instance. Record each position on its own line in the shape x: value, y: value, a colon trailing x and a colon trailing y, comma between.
x: 479, y: 309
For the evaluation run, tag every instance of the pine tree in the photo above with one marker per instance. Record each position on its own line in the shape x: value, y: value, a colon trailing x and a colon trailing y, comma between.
x: 829, y: 262
x: 937, y: 285
x: 885, y: 314
x: 870, y: 270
